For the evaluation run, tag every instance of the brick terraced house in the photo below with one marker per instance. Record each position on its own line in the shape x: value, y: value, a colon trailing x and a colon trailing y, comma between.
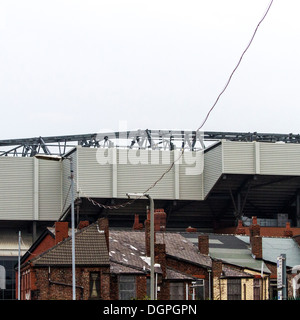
x: 115, y: 265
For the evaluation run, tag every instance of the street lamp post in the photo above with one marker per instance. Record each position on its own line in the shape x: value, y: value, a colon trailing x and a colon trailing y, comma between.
x: 19, y: 268
x: 73, y: 228
x: 151, y: 238
x: 58, y: 158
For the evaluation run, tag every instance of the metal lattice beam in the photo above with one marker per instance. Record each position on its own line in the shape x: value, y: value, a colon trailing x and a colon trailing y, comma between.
x: 140, y: 139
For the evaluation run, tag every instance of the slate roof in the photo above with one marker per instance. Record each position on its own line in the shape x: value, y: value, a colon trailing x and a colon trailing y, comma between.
x: 233, y: 273
x: 230, y: 249
x: 273, y: 247
x: 177, y: 275
x: 181, y: 248
x: 118, y: 268
x: 128, y: 248
x: 90, y: 249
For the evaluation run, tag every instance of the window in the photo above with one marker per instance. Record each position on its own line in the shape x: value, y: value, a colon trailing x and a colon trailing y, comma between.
x: 127, y: 289
x: 95, y: 285
x: 256, y: 289
x: 198, y: 289
x: 234, y: 289
x: 2, y: 278
x: 7, y: 278
x: 177, y: 291
x: 148, y: 287
x: 273, y: 289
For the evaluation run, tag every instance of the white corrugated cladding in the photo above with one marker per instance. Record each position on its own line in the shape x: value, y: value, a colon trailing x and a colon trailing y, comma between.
x: 142, y: 169
x: 238, y: 157
x: 16, y: 188
x: 66, y: 182
x: 32, y: 189
x: 49, y: 186
x: 94, y: 179
x: 191, y: 176
x: 279, y: 158
x: 212, y: 167
x: 261, y: 158
x: 115, y: 172
x: 9, y: 242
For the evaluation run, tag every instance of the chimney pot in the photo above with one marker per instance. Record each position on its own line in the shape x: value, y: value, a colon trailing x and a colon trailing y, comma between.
x: 191, y: 229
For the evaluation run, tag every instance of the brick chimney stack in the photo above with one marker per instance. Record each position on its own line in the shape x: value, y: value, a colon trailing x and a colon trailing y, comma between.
x: 82, y: 224
x: 160, y: 219
x: 203, y: 244
x: 255, y: 239
x: 256, y: 247
x: 160, y: 257
x: 217, y: 268
x: 137, y: 225
x: 240, y: 228
x: 61, y: 231
x: 288, y: 232
x: 104, y: 225
x: 254, y: 228
x: 147, y: 237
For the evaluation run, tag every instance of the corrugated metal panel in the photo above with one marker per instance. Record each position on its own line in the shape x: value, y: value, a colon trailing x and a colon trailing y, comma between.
x: 238, y: 157
x: 94, y: 178
x: 66, y: 182
x: 49, y: 190
x: 16, y: 188
x: 191, y: 176
x: 113, y: 173
x: 142, y: 169
x: 279, y: 159
x: 9, y: 242
x: 212, y: 168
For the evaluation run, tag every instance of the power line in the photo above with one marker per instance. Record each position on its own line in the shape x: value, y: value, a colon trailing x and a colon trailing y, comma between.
x: 200, y: 127
x: 236, y: 67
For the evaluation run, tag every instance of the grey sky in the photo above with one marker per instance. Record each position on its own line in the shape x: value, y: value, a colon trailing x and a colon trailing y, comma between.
x: 70, y: 67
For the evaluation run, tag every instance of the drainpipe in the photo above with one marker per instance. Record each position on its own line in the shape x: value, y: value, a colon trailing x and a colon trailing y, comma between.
x: 209, y: 284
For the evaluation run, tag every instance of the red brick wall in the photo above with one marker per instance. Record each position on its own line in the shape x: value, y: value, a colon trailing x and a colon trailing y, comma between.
x: 164, y: 293
x: 47, y: 243
x: 264, y: 231
x: 114, y: 287
x: 51, y: 291
x: 140, y: 284
x: 141, y: 287
x: 190, y: 269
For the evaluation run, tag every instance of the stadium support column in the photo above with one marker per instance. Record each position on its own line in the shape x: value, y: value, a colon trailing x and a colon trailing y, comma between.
x: 298, y: 209
x: 34, y: 237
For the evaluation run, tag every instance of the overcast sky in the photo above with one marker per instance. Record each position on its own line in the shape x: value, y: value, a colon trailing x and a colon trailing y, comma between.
x: 70, y: 67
